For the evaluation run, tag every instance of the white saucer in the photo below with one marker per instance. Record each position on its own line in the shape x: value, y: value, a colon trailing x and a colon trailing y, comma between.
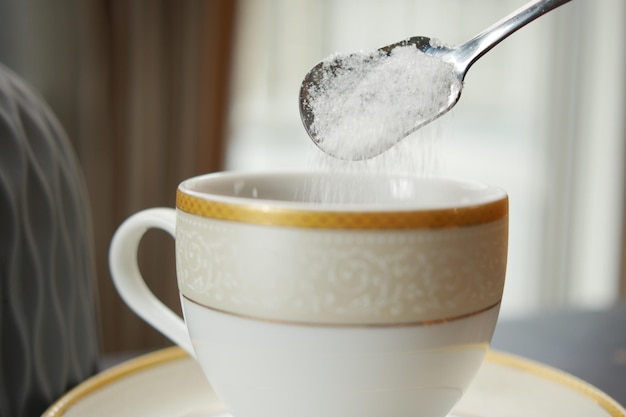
x: 168, y: 383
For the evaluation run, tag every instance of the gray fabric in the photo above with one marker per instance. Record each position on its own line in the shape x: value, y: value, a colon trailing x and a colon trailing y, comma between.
x: 49, y: 337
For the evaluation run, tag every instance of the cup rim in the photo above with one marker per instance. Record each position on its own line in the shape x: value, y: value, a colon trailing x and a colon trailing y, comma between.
x: 489, y: 203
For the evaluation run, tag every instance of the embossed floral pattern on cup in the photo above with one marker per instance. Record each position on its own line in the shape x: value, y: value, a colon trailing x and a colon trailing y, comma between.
x: 341, y: 277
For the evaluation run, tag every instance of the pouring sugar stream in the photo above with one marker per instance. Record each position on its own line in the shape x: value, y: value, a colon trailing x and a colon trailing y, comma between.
x: 356, y: 106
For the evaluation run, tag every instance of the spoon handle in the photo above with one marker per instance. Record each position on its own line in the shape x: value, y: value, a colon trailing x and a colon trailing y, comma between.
x: 472, y: 50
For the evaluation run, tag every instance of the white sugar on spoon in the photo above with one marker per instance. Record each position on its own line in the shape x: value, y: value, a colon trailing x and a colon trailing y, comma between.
x: 364, y: 104
x: 357, y: 106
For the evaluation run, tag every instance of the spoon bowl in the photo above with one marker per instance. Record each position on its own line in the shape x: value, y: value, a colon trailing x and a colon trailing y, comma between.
x: 460, y: 58
x: 316, y: 79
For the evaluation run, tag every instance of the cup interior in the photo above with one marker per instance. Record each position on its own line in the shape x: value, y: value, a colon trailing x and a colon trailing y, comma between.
x: 341, y: 191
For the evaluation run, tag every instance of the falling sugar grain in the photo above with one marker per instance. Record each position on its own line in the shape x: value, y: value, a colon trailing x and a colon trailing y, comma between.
x: 361, y: 122
x: 419, y: 155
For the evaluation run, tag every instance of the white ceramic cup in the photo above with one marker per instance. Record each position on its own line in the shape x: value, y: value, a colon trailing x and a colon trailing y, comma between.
x: 317, y: 295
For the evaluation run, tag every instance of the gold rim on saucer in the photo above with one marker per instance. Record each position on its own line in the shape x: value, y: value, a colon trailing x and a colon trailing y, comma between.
x: 112, y: 375
x: 560, y: 378
x: 163, y: 356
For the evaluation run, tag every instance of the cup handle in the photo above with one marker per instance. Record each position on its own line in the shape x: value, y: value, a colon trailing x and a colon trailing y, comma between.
x: 129, y: 282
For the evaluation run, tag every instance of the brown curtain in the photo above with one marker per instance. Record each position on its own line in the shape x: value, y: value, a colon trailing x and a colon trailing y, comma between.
x: 153, y: 91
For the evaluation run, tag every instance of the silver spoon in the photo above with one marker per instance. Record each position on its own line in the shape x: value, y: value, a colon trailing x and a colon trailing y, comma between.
x: 461, y: 57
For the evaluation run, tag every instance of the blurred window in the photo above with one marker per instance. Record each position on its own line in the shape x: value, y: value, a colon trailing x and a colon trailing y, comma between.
x: 541, y: 115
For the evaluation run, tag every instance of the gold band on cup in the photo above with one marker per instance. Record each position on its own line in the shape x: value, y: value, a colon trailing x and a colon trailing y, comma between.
x: 430, y: 322
x: 362, y: 220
